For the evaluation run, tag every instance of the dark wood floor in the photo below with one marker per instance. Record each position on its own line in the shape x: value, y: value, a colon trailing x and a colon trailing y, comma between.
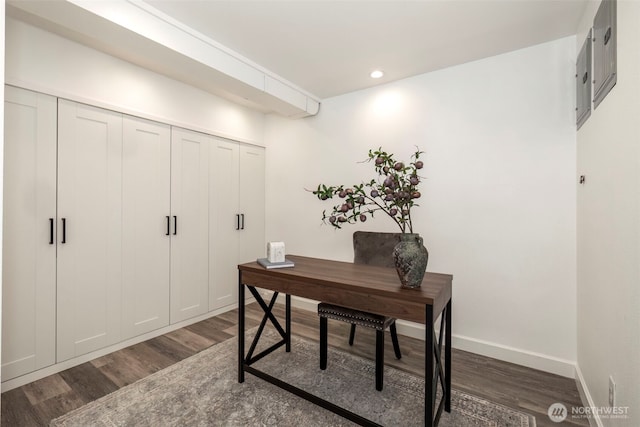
x: 37, y: 403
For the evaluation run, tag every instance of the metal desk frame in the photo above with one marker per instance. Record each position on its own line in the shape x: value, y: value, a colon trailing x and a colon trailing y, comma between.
x: 361, y: 287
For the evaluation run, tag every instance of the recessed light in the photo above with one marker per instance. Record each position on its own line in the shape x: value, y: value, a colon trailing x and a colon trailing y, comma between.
x: 376, y: 74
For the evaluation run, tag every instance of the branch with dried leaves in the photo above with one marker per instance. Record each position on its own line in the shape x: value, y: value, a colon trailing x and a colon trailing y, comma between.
x: 393, y: 192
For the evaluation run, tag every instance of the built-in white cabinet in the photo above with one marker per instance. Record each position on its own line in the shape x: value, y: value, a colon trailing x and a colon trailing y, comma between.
x: 189, y: 224
x: 252, y: 203
x: 165, y: 225
x: 29, y: 255
x: 225, y: 223
x: 116, y: 226
x: 89, y: 283
x: 236, y: 201
x: 146, y: 223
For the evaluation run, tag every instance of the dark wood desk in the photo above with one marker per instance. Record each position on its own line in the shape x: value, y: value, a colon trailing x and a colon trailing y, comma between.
x: 362, y: 287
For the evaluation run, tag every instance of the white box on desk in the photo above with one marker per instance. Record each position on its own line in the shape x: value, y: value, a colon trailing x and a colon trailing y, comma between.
x: 275, y: 252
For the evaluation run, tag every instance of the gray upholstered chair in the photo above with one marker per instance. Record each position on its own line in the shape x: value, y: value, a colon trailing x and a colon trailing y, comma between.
x: 371, y: 249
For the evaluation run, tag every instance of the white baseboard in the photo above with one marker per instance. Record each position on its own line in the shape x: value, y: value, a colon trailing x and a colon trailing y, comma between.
x: 543, y: 362
x: 587, y: 400
x: 58, y: 367
x: 533, y: 360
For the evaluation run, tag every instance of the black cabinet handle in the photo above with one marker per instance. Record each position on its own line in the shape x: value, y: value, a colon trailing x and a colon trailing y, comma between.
x: 242, y: 227
x: 175, y: 225
x: 51, y: 231
x: 64, y: 230
x: 607, y: 36
x: 168, y: 225
x: 237, y: 221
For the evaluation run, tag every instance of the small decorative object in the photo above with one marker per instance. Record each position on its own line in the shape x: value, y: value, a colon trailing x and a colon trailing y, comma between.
x: 275, y: 252
x: 393, y: 192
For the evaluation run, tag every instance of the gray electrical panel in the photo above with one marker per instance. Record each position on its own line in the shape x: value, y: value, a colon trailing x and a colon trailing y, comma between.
x: 604, y: 50
x: 583, y: 83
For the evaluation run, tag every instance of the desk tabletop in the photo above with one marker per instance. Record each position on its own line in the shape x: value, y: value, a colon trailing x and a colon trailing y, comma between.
x: 362, y: 287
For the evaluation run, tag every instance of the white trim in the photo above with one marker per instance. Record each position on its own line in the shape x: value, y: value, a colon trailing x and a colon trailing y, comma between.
x: 543, y: 362
x: 530, y: 359
x: 587, y: 400
x: 58, y: 367
x: 121, y: 108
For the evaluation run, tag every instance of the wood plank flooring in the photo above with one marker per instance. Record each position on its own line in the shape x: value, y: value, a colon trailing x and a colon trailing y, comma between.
x: 37, y: 403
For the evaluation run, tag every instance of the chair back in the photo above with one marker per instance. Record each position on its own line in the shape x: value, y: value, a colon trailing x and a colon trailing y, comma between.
x: 373, y: 248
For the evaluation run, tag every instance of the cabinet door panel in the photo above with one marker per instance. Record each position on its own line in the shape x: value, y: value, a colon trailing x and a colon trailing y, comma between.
x: 146, y: 183
x: 190, y: 224
x: 252, y: 203
x: 29, y: 260
x: 224, y: 224
x: 90, y: 212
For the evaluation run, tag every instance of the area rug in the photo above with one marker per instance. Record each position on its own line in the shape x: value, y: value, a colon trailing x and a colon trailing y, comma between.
x: 203, y: 390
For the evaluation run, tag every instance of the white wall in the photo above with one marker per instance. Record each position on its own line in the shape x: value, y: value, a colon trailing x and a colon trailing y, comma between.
x: 609, y: 230
x: 42, y: 61
x: 2, y: 39
x: 498, y: 206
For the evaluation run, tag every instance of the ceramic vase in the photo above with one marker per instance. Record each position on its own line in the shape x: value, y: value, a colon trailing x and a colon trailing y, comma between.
x: 410, y: 257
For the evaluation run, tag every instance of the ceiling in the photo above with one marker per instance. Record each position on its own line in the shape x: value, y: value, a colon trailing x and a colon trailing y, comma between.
x: 286, y: 56
x: 328, y: 48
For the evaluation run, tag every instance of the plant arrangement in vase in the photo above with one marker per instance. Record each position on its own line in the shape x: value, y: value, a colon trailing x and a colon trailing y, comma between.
x: 394, y: 192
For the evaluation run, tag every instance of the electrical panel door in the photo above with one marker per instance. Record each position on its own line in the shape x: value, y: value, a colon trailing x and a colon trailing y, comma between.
x: 604, y: 50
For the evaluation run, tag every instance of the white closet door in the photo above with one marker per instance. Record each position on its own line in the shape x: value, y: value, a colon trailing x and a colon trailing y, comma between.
x: 252, y: 203
x: 224, y: 224
x: 189, y: 223
x: 29, y: 255
x: 146, y: 184
x: 89, y: 228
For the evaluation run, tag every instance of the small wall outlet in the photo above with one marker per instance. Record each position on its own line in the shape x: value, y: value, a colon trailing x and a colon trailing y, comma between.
x: 612, y: 392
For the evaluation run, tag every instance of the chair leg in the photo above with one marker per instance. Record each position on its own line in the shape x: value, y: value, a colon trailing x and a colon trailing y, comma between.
x: 379, y: 358
x: 394, y: 338
x: 323, y: 343
x: 352, y: 333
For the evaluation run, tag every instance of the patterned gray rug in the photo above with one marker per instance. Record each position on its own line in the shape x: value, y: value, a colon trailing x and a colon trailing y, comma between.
x: 203, y: 391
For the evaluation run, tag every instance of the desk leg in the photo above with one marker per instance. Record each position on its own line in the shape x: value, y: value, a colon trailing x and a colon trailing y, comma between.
x: 287, y: 325
x: 447, y: 358
x: 240, y: 328
x: 429, y: 361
